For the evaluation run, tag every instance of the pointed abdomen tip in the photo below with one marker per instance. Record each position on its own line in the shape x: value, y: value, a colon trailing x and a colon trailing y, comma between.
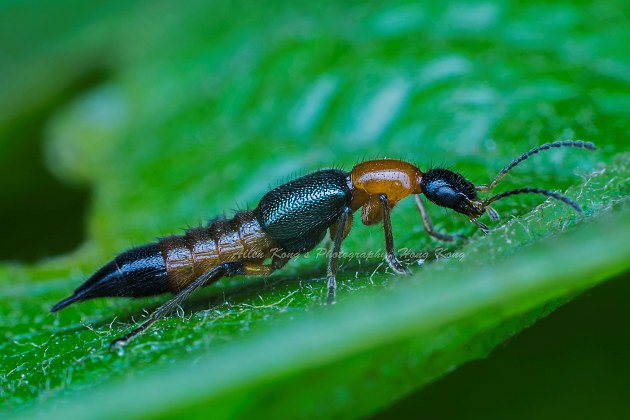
x: 62, y: 304
x: 134, y: 273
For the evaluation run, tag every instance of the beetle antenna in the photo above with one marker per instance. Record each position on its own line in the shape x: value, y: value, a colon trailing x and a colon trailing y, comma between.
x: 561, y: 143
x: 548, y: 193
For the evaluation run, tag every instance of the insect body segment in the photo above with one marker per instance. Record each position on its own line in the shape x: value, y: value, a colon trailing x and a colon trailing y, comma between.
x: 292, y: 219
x: 134, y: 273
x: 240, y: 239
x: 297, y: 214
x: 176, y: 261
x: 450, y: 189
x: 395, y: 179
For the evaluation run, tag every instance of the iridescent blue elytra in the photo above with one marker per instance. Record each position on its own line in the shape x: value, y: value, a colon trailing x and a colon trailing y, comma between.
x: 297, y: 214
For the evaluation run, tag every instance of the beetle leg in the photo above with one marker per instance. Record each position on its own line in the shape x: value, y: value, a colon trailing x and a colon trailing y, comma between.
x: 333, y: 262
x: 210, y: 276
x: 481, y: 226
x: 428, y: 226
x: 389, y: 239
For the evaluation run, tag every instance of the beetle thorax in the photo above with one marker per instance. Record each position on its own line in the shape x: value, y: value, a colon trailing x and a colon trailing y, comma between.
x: 394, y: 178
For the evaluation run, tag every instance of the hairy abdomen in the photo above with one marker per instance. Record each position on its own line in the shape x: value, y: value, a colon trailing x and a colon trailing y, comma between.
x: 223, y: 240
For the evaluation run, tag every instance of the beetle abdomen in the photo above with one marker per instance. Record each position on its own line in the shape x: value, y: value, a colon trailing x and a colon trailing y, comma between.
x: 298, y: 213
x: 222, y: 241
x: 134, y: 273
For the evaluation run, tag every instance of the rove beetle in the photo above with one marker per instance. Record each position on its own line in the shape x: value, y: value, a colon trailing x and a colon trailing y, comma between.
x: 293, y: 218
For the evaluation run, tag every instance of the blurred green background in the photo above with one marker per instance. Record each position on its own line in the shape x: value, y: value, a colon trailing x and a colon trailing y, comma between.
x: 121, y: 123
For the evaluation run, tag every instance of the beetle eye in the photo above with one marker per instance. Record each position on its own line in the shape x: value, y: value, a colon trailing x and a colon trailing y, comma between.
x: 447, y: 197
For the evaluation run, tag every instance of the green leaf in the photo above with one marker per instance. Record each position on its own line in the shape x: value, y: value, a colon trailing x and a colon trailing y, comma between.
x: 172, y: 115
x: 358, y: 356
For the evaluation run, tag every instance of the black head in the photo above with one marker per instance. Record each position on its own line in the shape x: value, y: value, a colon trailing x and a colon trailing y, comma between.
x: 449, y: 189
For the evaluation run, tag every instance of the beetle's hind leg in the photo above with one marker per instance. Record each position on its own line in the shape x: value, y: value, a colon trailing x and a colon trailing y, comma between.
x: 232, y: 268
x: 390, y: 255
x: 211, y: 276
x: 340, y: 232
